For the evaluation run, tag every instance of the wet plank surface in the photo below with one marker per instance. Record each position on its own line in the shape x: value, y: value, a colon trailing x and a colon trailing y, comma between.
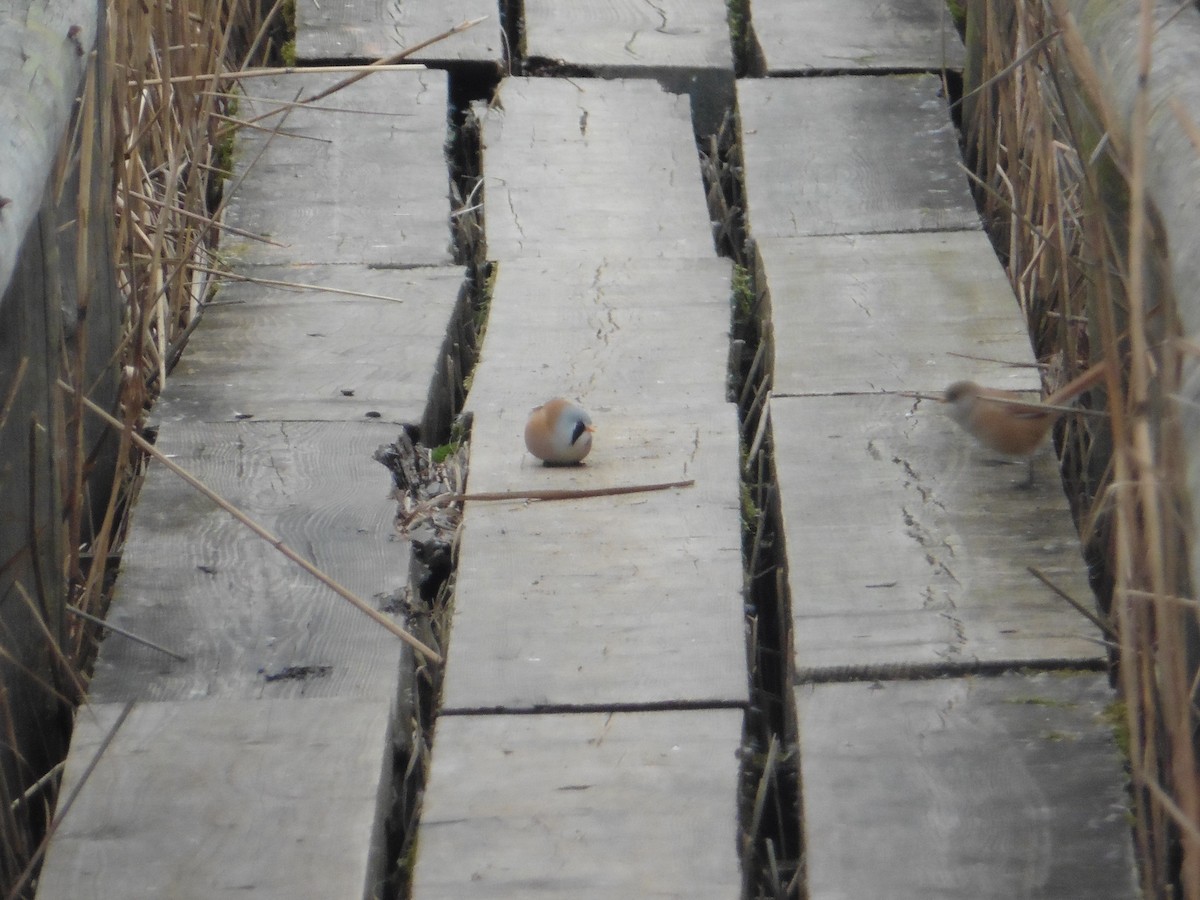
x: 613, y: 600
x: 373, y: 29
x: 864, y: 313
x: 682, y: 44
x: 592, y: 168
x: 910, y: 551
x: 328, y: 186
x: 200, y: 800
x: 851, y: 155
x: 856, y: 36
x: 272, y: 352
x: 585, y: 805
x: 196, y: 581
x: 988, y: 788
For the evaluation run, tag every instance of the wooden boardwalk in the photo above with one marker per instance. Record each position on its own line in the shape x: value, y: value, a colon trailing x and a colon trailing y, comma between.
x: 952, y: 733
x: 908, y: 554
x: 608, y: 291
x: 261, y: 761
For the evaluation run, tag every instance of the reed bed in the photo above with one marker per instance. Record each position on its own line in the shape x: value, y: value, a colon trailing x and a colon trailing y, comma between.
x: 1061, y: 182
x: 166, y: 113
x: 163, y: 85
x: 149, y: 148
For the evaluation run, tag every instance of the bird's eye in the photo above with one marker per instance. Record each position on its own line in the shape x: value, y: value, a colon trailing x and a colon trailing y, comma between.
x: 578, y: 431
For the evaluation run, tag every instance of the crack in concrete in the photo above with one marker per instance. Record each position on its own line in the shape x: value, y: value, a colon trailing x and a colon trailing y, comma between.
x: 662, y: 15
x: 516, y: 219
x: 661, y: 28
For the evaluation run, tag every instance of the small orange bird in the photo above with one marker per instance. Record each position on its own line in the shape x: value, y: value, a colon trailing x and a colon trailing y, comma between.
x: 559, y: 433
x: 1004, y: 421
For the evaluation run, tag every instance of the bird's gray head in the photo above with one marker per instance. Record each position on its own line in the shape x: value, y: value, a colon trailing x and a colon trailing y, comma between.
x: 575, y: 426
x: 960, y: 397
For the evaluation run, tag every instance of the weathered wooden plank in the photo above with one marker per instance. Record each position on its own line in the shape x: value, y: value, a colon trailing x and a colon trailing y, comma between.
x: 908, y: 552
x: 610, y: 601
x: 226, y: 798
x: 381, y: 354
x: 592, y: 167
x: 851, y: 155
x: 989, y: 788
x: 683, y: 44
x: 631, y: 335
x: 359, y: 177
x: 373, y: 29
x: 864, y: 313
x: 592, y: 806
x: 855, y: 36
x: 250, y: 623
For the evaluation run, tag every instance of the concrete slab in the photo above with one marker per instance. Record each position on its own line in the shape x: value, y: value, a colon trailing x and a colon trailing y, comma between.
x: 358, y: 177
x: 593, y: 168
x: 200, y: 800
x: 851, y: 155
x: 637, y: 337
x: 250, y: 622
x: 682, y: 44
x: 374, y: 29
x: 607, y: 805
x: 865, y: 313
x: 269, y: 352
x: 908, y: 552
x: 855, y: 36
x: 607, y: 602
x: 989, y: 788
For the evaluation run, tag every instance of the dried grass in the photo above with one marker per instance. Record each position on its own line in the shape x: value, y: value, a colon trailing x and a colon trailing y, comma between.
x: 1062, y: 187
x: 162, y: 84
x: 158, y: 153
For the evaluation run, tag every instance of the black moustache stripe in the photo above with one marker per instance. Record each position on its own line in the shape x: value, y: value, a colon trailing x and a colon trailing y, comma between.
x: 580, y: 428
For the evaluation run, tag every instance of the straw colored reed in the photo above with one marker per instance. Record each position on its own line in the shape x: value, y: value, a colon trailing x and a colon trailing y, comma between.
x: 1061, y: 180
x: 162, y: 110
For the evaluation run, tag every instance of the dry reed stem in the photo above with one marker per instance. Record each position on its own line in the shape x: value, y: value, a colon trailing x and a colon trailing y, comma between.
x: 13, y: 390
x: 60, y: 664
x: 207, y: 221
x: 227, y: 275
x: 1104, y: 627
x: 125, y: 633
x: 242, y: 75
x: 1151, y: 566
x: 1062, y: 246
x: 561, y: 494
x: 395, y: 58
